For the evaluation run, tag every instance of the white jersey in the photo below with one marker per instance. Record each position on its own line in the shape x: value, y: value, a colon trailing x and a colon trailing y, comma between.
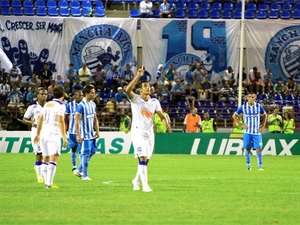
x: 50, y: 112
x: 33, y: 112
x: 143, y: 113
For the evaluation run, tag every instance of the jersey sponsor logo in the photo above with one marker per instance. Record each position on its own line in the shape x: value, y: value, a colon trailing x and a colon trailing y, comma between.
x: 283, y: 54
x: 146, y: 113
x: 105, y: 44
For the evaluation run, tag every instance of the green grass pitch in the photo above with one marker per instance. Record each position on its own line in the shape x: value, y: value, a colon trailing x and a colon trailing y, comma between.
x: 187, y: 190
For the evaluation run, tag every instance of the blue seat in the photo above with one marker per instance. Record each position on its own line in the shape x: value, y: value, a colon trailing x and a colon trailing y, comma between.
x: 76, y: 12
x: 28, y: 11
x: 228, y: 6
x: 263, y: 7
x: 52, y: 11
x: 251, y: 6
x: 262, y: 15
x: 63, y: 4
x: 286, y: 6
x: 203, y: 14
x: 237, y: 14
x: 215, y: 14
x: 16, y: 3
x: 249, y: 14
x: 179, y: 13
x: 216, y: 6
x: 85, y: 11
x: 297, y: 6
x: 134, y: 13
x: 205, y: 6
x: 296, y: 14
x: 51, y: 4
x: 192, y: 6
x: 285, y: 14
x: 275, y: 7
x: 40, y: 4
x: 41, y: 11
x: 227, y: 14
x: 65, y: 12
x: 4, y: 3
x: 28, y: 4
x: 180, y: 5
x: 5, y: 10
x: 273, y: 15
x: 100, y: 4
x: 74, y: 4
x: 192, y: 14
x: 238, y: 6
x: 100, y: 12
x: 17, y: 11
x: 86, y: 4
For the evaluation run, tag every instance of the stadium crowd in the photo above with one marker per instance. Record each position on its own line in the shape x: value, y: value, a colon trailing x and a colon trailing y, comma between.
x: 179, y: 92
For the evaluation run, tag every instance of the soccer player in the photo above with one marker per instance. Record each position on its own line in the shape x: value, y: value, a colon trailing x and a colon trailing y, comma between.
x: 50, y: 128
x: 30, y: 118
x: 71, y: 111
x: 87, y: 130
x: 143, y: 109
x: 252, y: 137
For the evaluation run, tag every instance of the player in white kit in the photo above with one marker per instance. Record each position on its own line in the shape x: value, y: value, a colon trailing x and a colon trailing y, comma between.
x: 30, y: 118
x: 50, y: 128
x: 143, y: 109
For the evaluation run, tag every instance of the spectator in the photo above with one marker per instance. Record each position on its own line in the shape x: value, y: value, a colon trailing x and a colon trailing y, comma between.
x: 209, y: 125
x: 15, y: 99
x: 267, y: 82
x: 127, y: 74
x: 146, y: 9
x: 59, y: 81
x: 190, y: 96
x: 99, y: 77
x: 227, y: 93
x: 159, y: 77
x: 159, y: 126
x: 4, y: 90
x: 229, y: 76
x: 165, y: 9
x: 199, y: 74
x: 92, y: 10
x: 113, y: 78
x: 124, y: 104
x: 146, y: 76
x: 274, y: 121
x: 279, y: 87
x: 125, y: 121
x: 120, y: 95
x: 192, y: 122
x: 189, y: 76
x: 72, y: 75
x: 15, y: 75
x: 214, y: 93
x: 255, y: 79
x: 177, y: 91
x: 288, y: 123
x: 290, y: 86
x: 111, y: 106
x: 31, y: 95
x: 51, y: 87
x: 45, y: 76
x: 77, y: 85
x: 169, y: 76
x: 84, y: 73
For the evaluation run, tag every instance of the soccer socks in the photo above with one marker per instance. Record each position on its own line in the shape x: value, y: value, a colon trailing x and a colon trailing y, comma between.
x: 143, y: 174
x: 50, y: 173
x: 85, y: 164
x: 247, y: 157
x: 44, y: 168
x: 259, y: 159
x: 137, y: 176
x: 73, y: 156
x: 80, y: 168
x: 38, y: 170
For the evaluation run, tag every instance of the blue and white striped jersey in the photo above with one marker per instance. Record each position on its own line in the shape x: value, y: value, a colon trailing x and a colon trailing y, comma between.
x: 251, y: 115
x: 71, y: 111
x: 87, y: 111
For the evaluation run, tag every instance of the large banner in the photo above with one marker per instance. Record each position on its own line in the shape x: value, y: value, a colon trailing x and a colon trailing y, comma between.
x: 214, y: 43
x: 274, y: 44
x: 32, y: 41
x: 101, y: 40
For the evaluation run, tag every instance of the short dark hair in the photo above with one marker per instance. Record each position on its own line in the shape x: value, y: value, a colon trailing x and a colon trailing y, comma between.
x: 87, y: 89
x: 58, y: 92
x: 40, y: 89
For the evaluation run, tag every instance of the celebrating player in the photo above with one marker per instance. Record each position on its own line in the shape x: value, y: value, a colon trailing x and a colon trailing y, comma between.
x: 143, y: 109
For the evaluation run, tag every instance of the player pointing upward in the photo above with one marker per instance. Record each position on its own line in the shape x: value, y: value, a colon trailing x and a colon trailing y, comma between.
x: 143, y: 109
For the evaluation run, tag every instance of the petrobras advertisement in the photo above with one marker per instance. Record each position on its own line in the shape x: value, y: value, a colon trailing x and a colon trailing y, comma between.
x: 213, y: 43
x: 175, y: 143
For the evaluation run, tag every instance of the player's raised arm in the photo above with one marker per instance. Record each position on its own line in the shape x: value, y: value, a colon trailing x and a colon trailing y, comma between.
x: 131, y: 85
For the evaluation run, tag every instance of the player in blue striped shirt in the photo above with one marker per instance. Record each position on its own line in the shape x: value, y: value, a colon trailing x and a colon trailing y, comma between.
x: 252, y: 138
x: 70, y: 112
x: 87, y: 130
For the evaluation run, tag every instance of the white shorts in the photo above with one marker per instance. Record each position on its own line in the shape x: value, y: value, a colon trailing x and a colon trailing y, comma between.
x: 143, y: 143
x: 50, y: 144
x: 36, y: 148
